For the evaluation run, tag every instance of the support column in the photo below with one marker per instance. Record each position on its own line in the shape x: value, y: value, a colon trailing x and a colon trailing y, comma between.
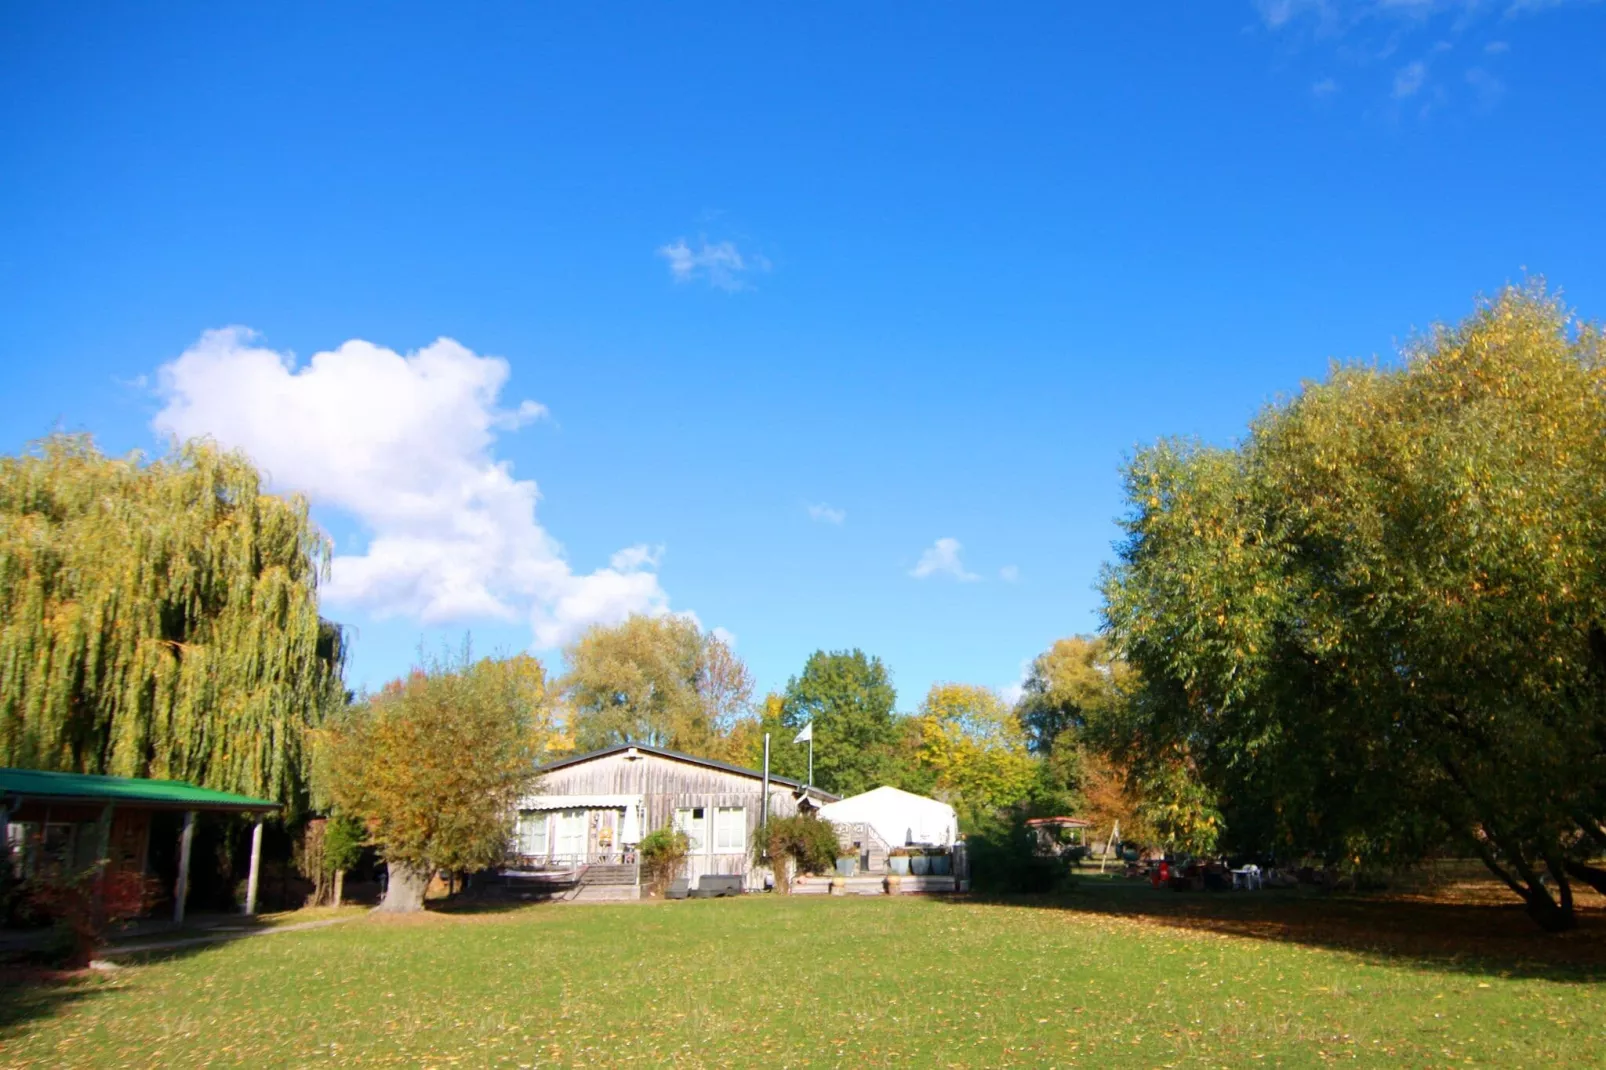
x: 103, y: 837
x: 181, y: 888
x: 256, y: 864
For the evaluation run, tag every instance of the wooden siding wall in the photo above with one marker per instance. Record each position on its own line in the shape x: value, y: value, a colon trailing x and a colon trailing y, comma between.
x: 667, y: 785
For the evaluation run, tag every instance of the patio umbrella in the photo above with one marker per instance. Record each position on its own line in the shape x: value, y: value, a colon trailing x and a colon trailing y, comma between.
x: 630, y: 833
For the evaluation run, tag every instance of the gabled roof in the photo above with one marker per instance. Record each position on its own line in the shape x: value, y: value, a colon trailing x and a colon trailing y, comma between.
x: 24, y: 784
x: 576, y: 759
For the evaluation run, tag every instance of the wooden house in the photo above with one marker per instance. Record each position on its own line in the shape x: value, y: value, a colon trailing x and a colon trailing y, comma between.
x: 589, y: 812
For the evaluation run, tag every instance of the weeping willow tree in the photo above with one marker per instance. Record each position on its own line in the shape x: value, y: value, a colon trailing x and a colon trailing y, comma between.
x: 160, y: 619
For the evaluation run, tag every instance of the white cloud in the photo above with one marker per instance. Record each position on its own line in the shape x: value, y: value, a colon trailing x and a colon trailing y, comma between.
x: 725, y: 636
x: 942, y: 559
x: 1364, y: 35
x: 1009, y: 573
x: 1409, y: 78
x: 404, y: 446
x: 1011, y: 693
x: 826, y: 514
x: 720, y: 264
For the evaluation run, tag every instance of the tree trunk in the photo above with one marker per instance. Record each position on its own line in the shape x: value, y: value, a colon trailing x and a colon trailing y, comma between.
x: 1593, y: 876
x: 340, y: 887
x: 782, y: 866
x: 1541, y: 908
x: 404, y: 891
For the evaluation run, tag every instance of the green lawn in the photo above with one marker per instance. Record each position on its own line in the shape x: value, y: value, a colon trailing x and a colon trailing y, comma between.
x: 1112, y: 976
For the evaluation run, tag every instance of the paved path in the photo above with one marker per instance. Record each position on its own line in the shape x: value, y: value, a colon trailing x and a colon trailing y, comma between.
x: 220, y: 937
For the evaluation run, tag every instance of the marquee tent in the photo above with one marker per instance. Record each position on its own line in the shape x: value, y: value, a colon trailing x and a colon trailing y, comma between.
x: 898, y: 817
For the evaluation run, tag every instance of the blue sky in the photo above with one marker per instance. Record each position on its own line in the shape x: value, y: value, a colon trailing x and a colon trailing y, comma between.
x: 930, y: 270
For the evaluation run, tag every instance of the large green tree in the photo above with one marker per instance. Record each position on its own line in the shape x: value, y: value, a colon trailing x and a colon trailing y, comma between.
x: 435, y: 763
x: 160, y: 619
x: 1376, y: 625
x: 1069, y: 684
x: 849, y: 698
x: 655, y: 680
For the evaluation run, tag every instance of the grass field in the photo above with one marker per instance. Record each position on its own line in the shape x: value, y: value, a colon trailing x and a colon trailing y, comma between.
x: 1113, y: 975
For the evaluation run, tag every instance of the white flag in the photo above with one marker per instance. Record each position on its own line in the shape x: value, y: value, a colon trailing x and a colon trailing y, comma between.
x: 806, y: 735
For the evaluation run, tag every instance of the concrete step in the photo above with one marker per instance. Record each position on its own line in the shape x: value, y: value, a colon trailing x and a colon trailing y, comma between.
x: 608, y: 874
x: 604, y: 893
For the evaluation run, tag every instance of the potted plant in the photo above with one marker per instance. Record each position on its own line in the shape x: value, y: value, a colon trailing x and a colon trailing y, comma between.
x: 919, y: 862
x: 942, y: 864
x: 898, y: 861
x: 892, y: 883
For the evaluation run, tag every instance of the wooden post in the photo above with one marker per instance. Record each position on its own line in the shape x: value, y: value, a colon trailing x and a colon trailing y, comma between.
x: 256, y: 864
x: 181, y: 888
x: 103, y: 838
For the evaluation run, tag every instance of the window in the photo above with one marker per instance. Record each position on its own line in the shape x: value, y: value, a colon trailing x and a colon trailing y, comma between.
x: 730, y: 829
x: 571, y: 834
x: 532, y: 834
x: 693, y: 821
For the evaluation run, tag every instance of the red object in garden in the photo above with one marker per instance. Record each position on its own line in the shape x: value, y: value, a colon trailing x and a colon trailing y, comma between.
x: 1163, y: 874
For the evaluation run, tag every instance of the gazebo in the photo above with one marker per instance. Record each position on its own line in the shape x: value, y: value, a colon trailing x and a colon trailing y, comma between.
x: 1049, y: 842
x: 84, y: 819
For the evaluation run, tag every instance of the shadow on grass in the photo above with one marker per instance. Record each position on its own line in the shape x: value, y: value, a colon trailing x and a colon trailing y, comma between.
x: 30, y: 992
x: 471, y: 905
x: 1467, y: 937
x: 31, y: 988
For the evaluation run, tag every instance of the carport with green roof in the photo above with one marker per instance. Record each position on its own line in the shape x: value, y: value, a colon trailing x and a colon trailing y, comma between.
x: 85, y: 820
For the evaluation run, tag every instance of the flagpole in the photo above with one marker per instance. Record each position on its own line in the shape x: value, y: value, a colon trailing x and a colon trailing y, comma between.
x: 811, y: 754
x: 766, y: 810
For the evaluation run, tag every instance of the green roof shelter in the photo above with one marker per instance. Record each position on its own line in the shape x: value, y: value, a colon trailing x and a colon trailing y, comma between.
x: 87, y: 820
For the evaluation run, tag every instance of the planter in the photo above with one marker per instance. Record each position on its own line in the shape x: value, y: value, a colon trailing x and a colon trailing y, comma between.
x: 892, y: 884
x: 899, y: 865
x: 848, y: 865
x: 941, y: 865
x: 919, y: 865
x: 839, y: 886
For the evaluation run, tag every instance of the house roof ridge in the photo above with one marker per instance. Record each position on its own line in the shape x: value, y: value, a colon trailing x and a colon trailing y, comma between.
x: 665, y: 752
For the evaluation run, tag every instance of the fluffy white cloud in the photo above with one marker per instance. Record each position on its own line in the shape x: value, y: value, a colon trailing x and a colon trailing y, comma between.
x: 403, y: 444
x: 826, y: 514
x: 942, y: 559
x: 720, y: 264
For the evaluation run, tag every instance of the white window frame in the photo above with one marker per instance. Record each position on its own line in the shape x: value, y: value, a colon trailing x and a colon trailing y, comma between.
x: 533, y: 833
x: 725, y: 817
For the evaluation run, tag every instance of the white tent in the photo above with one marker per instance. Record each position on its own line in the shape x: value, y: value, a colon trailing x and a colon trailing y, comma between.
x: 898, y: 817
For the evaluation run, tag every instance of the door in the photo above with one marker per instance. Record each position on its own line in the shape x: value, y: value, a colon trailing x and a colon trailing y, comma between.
x: 571, y: 839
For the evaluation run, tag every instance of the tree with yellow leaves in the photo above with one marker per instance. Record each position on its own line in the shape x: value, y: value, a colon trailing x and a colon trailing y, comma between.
x: 1378, y: 624
x: 435, y: 763
x: 160, y: 619
x: 972, y: 745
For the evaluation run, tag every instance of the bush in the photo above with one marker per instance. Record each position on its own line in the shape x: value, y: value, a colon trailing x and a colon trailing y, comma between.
x: 810, y: 842
x: 1004, y: 860
x: 85, y: 905
x: 662, y: 853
